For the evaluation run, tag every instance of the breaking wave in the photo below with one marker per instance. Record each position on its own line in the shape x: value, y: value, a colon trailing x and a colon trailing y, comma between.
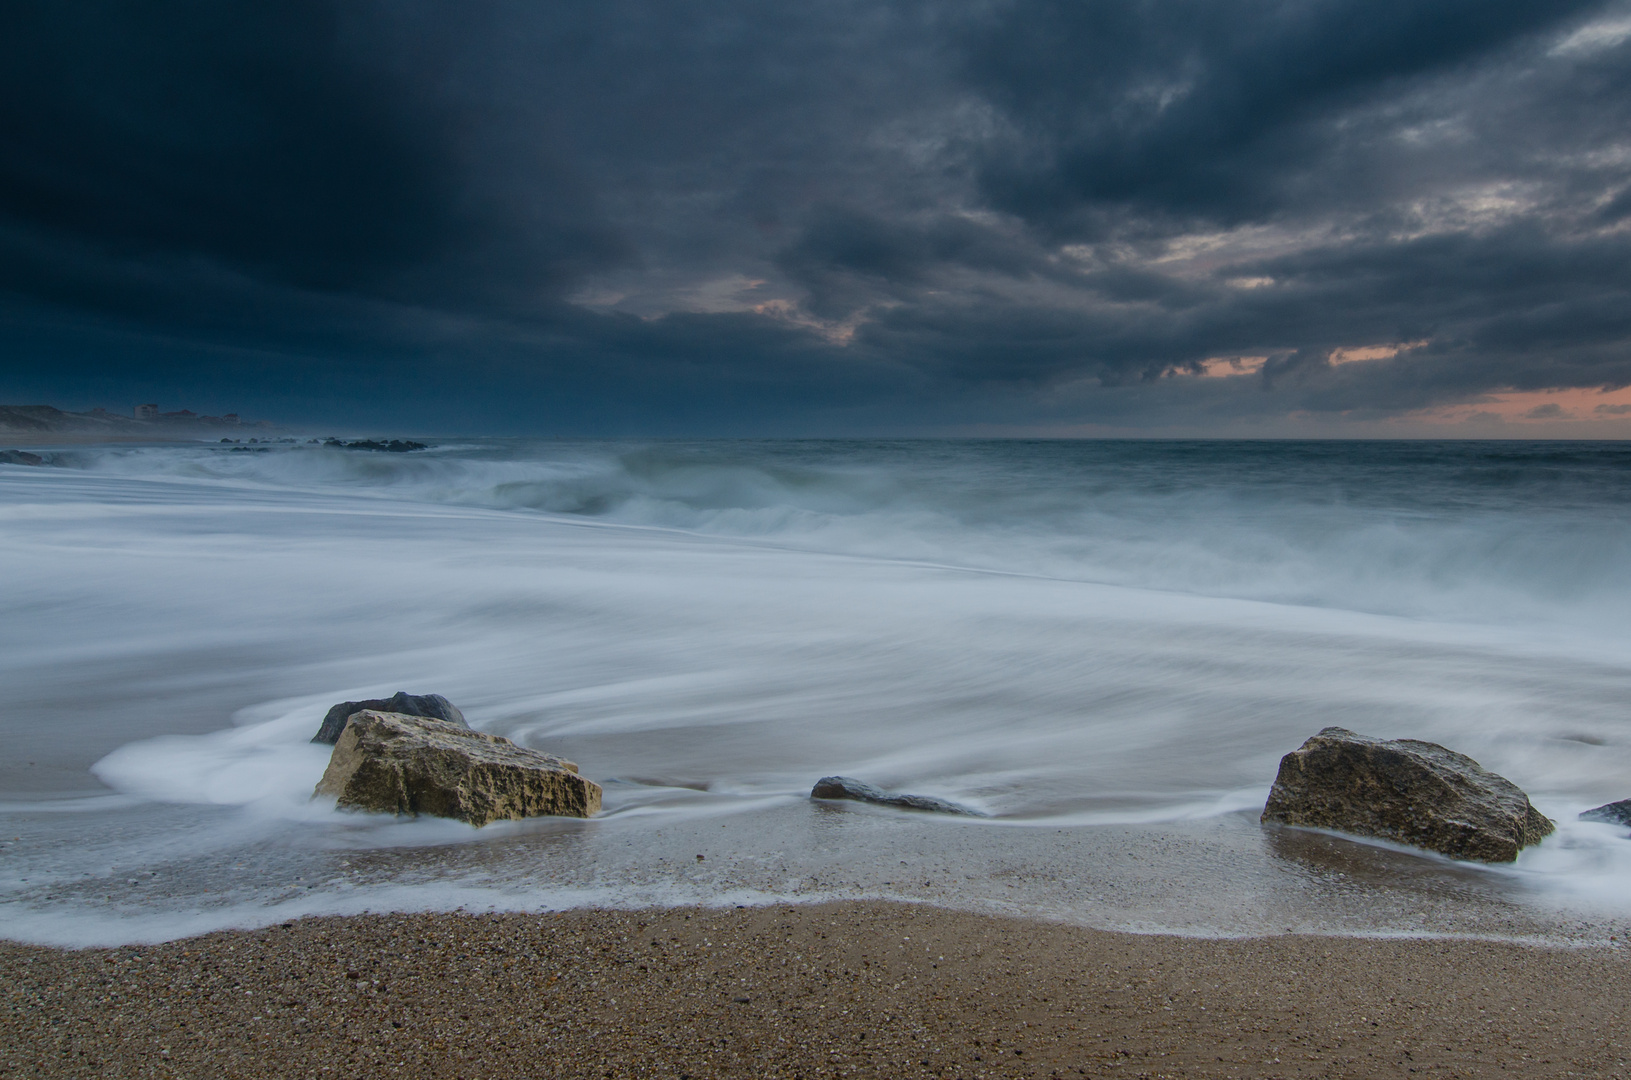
x: 1456, y: 530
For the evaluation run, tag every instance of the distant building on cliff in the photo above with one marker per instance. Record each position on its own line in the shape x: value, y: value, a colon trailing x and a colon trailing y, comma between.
x: 147, y: 412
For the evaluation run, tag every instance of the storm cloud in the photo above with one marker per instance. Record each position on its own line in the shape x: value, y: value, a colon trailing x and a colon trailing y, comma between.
x: 727, y: 217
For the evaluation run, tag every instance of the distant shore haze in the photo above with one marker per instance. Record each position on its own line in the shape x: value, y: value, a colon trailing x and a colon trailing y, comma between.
x: 47, y: 423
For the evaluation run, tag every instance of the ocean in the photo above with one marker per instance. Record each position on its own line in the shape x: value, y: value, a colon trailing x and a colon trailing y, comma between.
x: 1105, y: 646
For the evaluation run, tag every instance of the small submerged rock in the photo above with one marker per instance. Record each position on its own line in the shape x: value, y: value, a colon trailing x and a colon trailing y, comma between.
x: 398, y: 764
x: 1614, y: 813
x: 845, y: 787
x: 1407, y: 791
x: 434, y: 706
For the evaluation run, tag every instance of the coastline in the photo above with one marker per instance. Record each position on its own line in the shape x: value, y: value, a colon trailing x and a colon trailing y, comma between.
x: 859, y: 988
x: 20, y: 438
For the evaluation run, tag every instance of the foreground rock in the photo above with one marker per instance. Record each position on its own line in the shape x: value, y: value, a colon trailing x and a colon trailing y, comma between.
x: 399, y: 764
x: 1614, y: 813
x: 845, y: 787
x: 1404, y: 790
x: 435, y: 706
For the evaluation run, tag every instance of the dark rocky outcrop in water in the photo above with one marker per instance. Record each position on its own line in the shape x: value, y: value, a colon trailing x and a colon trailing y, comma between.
x: 1614, y: 813
x: 398, y: 764
x: 844, y: 787
x: 1407, y: 791
x: 384, y: 446
x: 20, y: 457
x: 434, y: 706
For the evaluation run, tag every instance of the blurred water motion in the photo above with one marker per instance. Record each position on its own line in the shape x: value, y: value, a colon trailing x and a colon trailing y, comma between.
x: 1092, y: 641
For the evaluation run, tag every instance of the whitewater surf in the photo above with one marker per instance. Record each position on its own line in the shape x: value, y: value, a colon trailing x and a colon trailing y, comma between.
x: 1103, y: 646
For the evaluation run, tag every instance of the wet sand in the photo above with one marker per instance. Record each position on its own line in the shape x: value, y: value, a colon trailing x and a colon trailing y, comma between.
x: 852, y: 989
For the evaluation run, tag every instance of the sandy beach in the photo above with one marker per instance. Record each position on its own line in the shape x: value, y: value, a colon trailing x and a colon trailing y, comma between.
x: 966, y: 540
x: 856, y: 989
x: 188, y: 615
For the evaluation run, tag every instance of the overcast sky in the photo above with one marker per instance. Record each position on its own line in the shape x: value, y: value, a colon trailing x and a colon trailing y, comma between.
x: 671, y: 217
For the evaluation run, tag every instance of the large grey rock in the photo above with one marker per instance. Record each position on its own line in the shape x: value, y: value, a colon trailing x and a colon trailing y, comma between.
x: 434, y: 706
x: 845, y: 787
x: 1404, y: 790
x: 1614, y: 813
x: 399, y: 764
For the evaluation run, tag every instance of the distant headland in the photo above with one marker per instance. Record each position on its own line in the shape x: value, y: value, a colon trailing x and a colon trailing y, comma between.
x: 46, y: 423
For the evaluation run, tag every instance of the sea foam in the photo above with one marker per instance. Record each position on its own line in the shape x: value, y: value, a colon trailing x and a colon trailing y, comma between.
x: 1106, y: 647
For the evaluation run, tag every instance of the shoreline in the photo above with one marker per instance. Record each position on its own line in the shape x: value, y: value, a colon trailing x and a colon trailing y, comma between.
x: 47, y: 439
x: 861, y: 988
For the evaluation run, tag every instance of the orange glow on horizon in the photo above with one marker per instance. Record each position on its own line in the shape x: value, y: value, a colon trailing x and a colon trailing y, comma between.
x: 1572, y: 405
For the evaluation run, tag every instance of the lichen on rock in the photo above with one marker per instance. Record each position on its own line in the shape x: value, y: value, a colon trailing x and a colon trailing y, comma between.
x: 395, y: 763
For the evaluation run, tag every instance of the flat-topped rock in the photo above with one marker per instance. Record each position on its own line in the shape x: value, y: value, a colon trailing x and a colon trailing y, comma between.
x: 398, y: 764
x: 434, y: 706
x: 1407, y: 791
x: 846, y: 787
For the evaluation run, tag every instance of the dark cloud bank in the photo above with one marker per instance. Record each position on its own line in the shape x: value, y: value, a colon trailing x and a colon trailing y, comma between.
x: 635, y: 217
